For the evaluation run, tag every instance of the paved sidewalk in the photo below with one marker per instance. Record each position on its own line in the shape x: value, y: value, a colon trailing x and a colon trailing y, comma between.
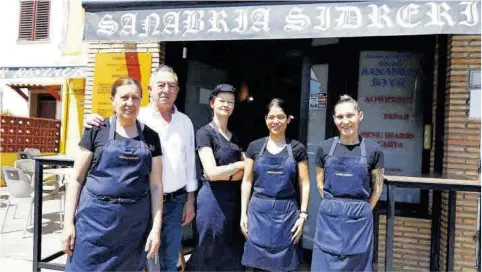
x: 16, y: 252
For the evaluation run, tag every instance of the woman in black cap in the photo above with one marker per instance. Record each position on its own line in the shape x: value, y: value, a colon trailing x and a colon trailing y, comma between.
x: 220, y: 242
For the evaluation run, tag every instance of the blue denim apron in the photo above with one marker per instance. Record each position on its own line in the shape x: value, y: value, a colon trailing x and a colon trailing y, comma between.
x: 272, y: 213
x: 344, y: 230
x: 113, y: 214
x: 220, y: 242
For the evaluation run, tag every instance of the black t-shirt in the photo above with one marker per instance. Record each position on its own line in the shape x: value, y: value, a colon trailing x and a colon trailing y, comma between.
x: 206, y: 136
x: 299, y: 150
x: 95, y: 138
x: 375, y: 157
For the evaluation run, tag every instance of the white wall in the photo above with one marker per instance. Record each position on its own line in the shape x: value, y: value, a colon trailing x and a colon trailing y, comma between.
x: 56, y: 51
x: 38, y: 53
x: 13, y: 102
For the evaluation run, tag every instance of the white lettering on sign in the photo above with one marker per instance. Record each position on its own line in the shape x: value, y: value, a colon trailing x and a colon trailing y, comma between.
x: 151, y: 25
x: 406, y: 13
x: 128, y: 23
x: 291, y: 21
x: 350, y: 17
x: 107, y: 26
x: 379, y: 17
x: 471, y: 13
x: 193, y: 23
x: 241, y: 21
x: 260, y: 20
x: 218, y: 21
x: 323, y: 17
x: 296, y: 20
x: 436, y: 14
x: 171, y: 23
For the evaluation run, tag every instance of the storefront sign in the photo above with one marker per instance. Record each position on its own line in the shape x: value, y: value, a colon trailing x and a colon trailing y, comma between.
x: 36, y: 72
x: 111, y: 66
x: 273, y: 21
x: 389, y: 93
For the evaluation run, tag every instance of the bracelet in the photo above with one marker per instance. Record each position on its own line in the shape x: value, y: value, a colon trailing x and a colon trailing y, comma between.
x: 304, y: 212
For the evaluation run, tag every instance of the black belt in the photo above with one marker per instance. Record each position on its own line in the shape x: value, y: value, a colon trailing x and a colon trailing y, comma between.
x: 172, y: 195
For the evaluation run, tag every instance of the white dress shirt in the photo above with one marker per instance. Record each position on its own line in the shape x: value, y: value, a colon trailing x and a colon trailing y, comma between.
x: 178, y: 150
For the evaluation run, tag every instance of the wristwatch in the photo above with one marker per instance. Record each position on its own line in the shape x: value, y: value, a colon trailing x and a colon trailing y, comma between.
x: 304, y: 215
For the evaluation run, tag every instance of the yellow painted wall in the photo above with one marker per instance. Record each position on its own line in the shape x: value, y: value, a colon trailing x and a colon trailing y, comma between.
x: 74, y: 44
x: 73, y: 115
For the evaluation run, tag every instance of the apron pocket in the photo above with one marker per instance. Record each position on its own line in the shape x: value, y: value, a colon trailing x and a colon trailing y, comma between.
x: 259, y: 222
x: 282, y: 223
x: 344, y: 235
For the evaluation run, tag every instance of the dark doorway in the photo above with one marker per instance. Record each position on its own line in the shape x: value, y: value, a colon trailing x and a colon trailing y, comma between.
x: 266, y: 69
x: 47, y: 106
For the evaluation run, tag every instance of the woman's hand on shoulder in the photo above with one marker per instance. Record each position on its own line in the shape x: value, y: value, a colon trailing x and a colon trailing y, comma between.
x: 68, y: 239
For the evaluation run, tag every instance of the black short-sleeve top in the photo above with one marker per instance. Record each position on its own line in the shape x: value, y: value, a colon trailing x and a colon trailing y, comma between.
x: 95, y: 138
x: 207, y: 136
x: 299, y: 150
x: 375, y: 159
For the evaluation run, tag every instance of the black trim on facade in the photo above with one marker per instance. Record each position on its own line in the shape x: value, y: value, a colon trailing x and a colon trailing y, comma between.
x: 99, y: 5
x: 435, y: 231
x: 304, y: 100
x: 451, y: 231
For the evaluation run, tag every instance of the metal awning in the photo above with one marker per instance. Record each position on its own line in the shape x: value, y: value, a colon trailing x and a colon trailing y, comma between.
x: 154, y: 20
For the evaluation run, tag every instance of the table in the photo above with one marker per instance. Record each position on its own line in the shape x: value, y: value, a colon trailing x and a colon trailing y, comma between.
x: 452, y: 184
x: 60, y: 172
x: 38, y: 262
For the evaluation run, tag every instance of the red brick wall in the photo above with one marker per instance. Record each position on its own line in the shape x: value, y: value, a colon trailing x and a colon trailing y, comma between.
x: 461, y: 147
x: 411, y: 247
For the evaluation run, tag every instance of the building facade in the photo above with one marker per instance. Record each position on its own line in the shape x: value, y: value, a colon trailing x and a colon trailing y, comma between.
x: 409, y: 64
x: 42, y: 70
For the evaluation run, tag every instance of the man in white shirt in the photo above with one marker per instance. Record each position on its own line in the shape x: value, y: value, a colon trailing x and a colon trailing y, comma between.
x: 176, y: 133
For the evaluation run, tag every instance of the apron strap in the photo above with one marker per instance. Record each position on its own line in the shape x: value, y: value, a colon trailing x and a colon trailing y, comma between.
x: 217, y: 132
x: 263, y: 148
x: 333, y: 146
x: 290, y: 151
x: 363, y: 149
x: 139, y: 131
x: 218, y: 135
x: 113, y: 122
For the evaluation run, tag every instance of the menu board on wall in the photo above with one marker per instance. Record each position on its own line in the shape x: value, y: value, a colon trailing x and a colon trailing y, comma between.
x: 111, y: 66
x: 389, y: 93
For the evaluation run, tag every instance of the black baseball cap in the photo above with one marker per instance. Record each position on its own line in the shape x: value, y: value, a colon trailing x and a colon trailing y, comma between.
x: 222, y: 88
